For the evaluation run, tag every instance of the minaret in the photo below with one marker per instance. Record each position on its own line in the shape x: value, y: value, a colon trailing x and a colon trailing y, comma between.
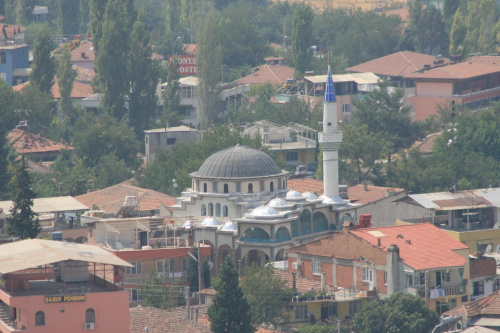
x: 330, y: 140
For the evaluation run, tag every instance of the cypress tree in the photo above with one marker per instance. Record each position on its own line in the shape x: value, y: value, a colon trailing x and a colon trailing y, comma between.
x: 43, y: 67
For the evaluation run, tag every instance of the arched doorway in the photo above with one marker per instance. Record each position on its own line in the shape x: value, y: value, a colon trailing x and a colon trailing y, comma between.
x: 280, y: 255
x: 256, y: 257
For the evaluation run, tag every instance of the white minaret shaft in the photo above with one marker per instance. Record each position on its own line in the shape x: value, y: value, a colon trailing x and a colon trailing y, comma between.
x: 330, y: 140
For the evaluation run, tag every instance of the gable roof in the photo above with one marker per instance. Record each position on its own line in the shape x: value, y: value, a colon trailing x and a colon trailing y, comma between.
x: 9, y: 31
x: 461, y: 70
x: 397, y: 64
x: 426, y: 145
x: 80, y: 90
x: 26, y: 142
x: 87, y: 49
x: 111, y: 198
x: 418, y: 245
x: 274, y: 74
x: 486, y: 305
x: 173, y: 321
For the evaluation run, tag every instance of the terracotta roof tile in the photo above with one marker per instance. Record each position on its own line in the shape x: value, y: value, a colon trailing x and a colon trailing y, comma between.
x: 461, y: 70
x: 111, y: 198
x: 25, y: 142
x: 486, y: 305
x: 396, y: 64
x: 482, y: 267
x: 2, y: 17
x: 274, y: 74
x: 80, y: 90
x: 189, y: 48
x: 9, y: 31
x: 85, y: 47
x: 426, y: 146
x: 84, y: 75
x: 171, y: 321
x: 21, y: 86
x: 357, y: 193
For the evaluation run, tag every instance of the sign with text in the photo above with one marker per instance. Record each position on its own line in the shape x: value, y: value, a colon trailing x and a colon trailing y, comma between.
x: 187, y: 64
x: 64, y: 299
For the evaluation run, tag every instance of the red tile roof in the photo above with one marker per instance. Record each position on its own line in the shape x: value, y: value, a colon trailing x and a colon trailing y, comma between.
x: 2, y: 17
x: 85, y: 47
x: 111, y: 198
x: 189, y: 48
x: 84, y: 75
x: 274, y: 74
x: 418, y: 245
x: 357, y: 193
x: 426, y: 146
x: 486, y: 305
x: 461, y: 70
x: 25, y: 142
x: 396, y: 64
x: 482, y: 267
x: 172, y: 321
x: 9, y: 31
x: 301, y: 284
x: 156, y: 56
x: 80, y: 90
x: 20, y: 87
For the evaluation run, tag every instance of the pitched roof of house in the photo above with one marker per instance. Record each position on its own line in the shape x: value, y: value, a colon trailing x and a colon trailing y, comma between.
x: 418, y: 245
x: 397, y: 64
x: 482, y: 267
x: 2, y: 17
x: 426, y: 145
x: 19, y: 87
x: 9, y: 31
x: 486, y: 305
x: 357, y: 193
x: 26, y: 142
x: 84, y: 75
x: 172, y: 321
x: 274, y: 74
x: 461, y: 70
x: 189, y: 48
x: 301, y: 284
x: 80, y: 90
x: 87, y: 49
x: 111, y: 198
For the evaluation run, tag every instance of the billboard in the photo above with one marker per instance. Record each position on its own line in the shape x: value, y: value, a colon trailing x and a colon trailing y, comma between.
x: 187, y: 64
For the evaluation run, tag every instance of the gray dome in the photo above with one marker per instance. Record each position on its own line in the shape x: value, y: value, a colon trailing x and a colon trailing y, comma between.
x: 229, y: 226
x: 263, y: 211
x: 187, y: 225
x: 277, y: 202
x: 310, y: 195
x: 210, y: 222
x: 292, y: 194
x: 238, y: 162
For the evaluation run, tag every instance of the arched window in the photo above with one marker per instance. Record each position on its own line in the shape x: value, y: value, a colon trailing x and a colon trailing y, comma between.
x: 257, y: 235
x: 282, y: 235
x: 217, y: 209
x: 272, y: 187
x: 305, y: 222
x: 40, y: 318
x: 90, y: 316
x: 205, y: 187
x: 203, y: 210
x: 295, y: 228
x: 226, y: 188
x: 225, y: 211
x: 346, y: 218
x: 210, y: 209
x: 250, y: 188
x: 320, y: 223
x: 225, y: 253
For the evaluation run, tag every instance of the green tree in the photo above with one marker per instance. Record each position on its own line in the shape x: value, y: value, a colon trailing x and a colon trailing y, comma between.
x: 4, y: 163
x: 481, y: 27
x: 112, y: 74
x: 22, y: 222
x: 143, y: 73
x: 24, y: 10
x: 209, y: 65
x: 111, y: 171
x: 266, y: 293
x: 457, y: 33
x: 171, y: 99
x: 193, y: 271
x: 229, y: 311
x: 97, y: 11
x: 398, y: 313
x: 206, y: 275
x: 154, y: 293
x: 36, y: 107
x: 43, y: 67
x: 70, y: 16
x: 8, y: 104
x: 302, y: 38
x: 65, y: 77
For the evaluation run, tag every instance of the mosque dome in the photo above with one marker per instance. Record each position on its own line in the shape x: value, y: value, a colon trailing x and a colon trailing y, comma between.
x: 293, y: 195
x: 210, y: 222
x: 263, y: 211
x: 238, y: 162
x: 310, y: 195
x: 229, y: 226
x: 277, y: 202
x: 187, y: 225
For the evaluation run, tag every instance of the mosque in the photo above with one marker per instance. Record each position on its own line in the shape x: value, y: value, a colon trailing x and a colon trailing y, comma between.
x: 240, y: 204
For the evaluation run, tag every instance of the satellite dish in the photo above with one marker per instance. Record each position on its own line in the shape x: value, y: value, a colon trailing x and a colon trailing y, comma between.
x: 488, y: 249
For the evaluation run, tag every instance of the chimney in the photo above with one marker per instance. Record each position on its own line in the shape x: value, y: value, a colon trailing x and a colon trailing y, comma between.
x: 378, y: 241
x: 392, y: 269
x: 83, y: 55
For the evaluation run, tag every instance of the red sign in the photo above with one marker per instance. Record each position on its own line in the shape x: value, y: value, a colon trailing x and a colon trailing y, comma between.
x: 187, y: 64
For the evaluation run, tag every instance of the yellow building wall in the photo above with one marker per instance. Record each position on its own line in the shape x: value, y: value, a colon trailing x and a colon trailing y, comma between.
x: 314, y: 307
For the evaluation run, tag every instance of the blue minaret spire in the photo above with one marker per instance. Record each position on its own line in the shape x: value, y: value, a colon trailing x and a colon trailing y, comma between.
x: 329, y: 90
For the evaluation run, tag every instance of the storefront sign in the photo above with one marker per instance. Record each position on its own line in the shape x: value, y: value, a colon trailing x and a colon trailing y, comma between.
x: 64, y: 299
x: 187, y: 64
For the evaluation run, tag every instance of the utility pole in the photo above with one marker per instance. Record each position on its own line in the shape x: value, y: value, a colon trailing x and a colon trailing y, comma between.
x: 199, y: 272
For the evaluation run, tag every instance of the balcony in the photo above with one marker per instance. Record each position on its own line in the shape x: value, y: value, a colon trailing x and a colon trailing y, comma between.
x: 446, y: 291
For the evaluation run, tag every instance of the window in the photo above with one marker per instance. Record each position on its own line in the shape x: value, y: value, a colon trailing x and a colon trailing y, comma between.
x: 185, y: 264
x: 160, y: 266
x: 210, y: 209
x: 346, y: 108
x: 478, y: 288
x: 3, y: 57
x: 316, y: 267
x: 409, y: 280
x: 137, y: 269
x: 328, y: 309
x: 250, y: 188
x: 385, y: 277
x: 203, y: 210
x: 496, y: 285
x: 354, y: 307
x: 421, y: 278
x: 147, y: 139
x: 367, y: 274
x: 186, y: 92
x: 272, y: 186
x: 217, y: 209
x: 205, y: 187
x: 171, y: 141
x: 134, y: 295
x: 169, y: 266
x: 225, y: 211
x: 445, y: 276
x: 90, y: 316
x: 292, y: 156
x: 301, y: 311
x: 40, y: 318
x: 226, y: 188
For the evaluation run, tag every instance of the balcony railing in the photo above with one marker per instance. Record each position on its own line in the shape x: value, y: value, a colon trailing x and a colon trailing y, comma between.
x: 449, y: 290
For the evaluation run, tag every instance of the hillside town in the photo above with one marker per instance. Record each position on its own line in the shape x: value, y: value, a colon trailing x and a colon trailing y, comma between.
x: 249, y: 166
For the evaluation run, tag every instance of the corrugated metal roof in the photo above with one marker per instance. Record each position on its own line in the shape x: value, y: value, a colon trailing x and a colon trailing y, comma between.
x: 467, y: 199
x: 49, y: 205
x: 33, y: 253
x: 360, y: 78
x: 484, y: 321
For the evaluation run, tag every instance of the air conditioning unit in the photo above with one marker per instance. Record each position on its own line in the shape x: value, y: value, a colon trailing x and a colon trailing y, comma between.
x: 295, y: 265
x: 89, y: 326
